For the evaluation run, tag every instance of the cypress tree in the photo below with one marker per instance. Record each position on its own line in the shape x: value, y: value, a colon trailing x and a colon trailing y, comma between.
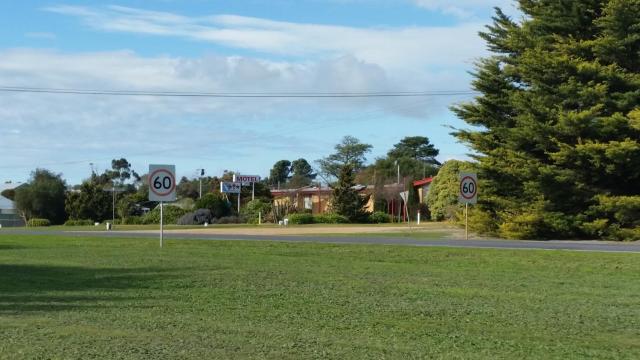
x: 346, y: 200
x: 556, y: 128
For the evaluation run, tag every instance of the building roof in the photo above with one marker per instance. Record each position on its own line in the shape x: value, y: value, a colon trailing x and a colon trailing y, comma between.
x: 4, y: 202
x: 423, y: 182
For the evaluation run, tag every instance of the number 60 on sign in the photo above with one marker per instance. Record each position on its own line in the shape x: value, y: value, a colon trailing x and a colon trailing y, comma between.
x: 162, y: 182
x: 468, y: 188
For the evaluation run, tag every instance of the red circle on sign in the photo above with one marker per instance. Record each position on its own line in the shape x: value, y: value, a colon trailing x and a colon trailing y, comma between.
x: 173, y: 182
x: 475, y: 187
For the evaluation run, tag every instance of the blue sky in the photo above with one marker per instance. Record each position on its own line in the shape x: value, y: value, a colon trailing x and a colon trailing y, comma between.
x: 227, y: 46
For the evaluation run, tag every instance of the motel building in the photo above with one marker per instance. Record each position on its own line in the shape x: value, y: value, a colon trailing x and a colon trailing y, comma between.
x: 317, y: 199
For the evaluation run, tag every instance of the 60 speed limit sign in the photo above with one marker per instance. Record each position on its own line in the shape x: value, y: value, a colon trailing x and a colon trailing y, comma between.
x: 468, y: 188
x: 162, y: 183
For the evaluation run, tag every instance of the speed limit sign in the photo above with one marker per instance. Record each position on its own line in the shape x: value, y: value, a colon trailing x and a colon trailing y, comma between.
x: 468, y: 188
x: 162, y: 183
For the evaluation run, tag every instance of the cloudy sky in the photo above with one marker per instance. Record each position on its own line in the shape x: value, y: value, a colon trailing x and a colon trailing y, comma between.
x: 239, y: 46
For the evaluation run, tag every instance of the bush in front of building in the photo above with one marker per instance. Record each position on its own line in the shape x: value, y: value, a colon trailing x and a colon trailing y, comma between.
x: 84, y: 222
x: 379, y: 217
x: 301, y: 219
x: 38, y: 222
x: 330, y: 218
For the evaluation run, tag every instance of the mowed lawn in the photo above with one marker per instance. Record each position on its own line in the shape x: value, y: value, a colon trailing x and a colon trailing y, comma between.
x: 83, y: 298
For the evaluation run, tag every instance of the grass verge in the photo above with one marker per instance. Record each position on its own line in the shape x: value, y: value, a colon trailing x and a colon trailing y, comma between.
x: 125, y: 298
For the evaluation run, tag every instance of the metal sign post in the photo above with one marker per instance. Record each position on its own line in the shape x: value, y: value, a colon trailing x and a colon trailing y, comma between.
x: 468, y: 195
x: 245, y: 180
x: 162, y: 187
x: 161, y: 223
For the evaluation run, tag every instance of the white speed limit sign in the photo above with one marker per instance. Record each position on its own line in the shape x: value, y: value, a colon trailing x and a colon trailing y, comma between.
x: 468, y: 188
x: 162, y: 183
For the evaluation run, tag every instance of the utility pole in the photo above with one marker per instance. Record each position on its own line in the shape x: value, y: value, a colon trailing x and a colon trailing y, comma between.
x: 201, y: 175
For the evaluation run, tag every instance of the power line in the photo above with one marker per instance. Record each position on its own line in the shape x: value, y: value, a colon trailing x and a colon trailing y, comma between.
x: 237, y: 94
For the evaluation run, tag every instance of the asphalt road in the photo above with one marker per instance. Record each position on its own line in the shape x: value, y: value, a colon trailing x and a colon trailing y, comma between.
x: 586, y: 245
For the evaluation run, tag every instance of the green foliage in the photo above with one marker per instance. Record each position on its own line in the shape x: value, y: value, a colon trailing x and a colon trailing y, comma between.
x: 91, y: 201
x: 330, y: 218
x: 300, y: 219
x: 85, y: 222
x: 133, y: 220
x: 253, y: 208
x: 198, y: 217
x: 35, y: 222
x: 415, y: 147
x: 346, y: 200
x: 442, y: 198
x: 280, y: 172
x: 216, y: 203
x: 557, y: 124
x: 9, y: 194
x: 349, y: 152
x: 171, y: 215
x: 42, y: 197
x: 379, y: 217
x: 230, y: 220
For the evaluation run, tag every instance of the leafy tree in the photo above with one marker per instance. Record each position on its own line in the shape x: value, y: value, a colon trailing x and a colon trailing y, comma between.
x: 279, y: 173
x: 303, y: 173
x: 188, y: 188
x: 415, y: 147
x: 346, y: 200
x: 9, y: 194
x: 442, y: 198
x: 350, y: 152
x: 43, y: 197
x: 218, y: 205
x: 121, y: 171
x: 558, y: 122
x: 89, y: 202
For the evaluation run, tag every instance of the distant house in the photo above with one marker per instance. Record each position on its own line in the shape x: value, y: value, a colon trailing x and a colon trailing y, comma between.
x: 311, y: 198
x: 422, y: 187
x: 8, y: 215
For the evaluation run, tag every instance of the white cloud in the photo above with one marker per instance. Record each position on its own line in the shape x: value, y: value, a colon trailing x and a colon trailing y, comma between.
x: 84, y: 126
x: 466, y: 9
x: 47, y: 129
x: 387, y: 47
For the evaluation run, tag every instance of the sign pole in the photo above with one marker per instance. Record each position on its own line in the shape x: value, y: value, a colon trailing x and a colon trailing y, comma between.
x: 161, y: 222
x: 466, y: 221
x: 239, y: 192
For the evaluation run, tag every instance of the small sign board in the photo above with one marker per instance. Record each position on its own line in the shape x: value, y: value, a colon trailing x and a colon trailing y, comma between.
x: 246, y: 179
x: 162, y: 183
x: 468, y: 188
x: 230, y: 187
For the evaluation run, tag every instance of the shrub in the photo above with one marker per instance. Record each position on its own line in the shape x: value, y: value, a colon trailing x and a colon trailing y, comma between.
x: 133, y: 220
x: 379, y: 217
x: 330, y: 218
x: 253, y: 208
x: 481, y: 221
x: 171, y: 215
x: 71, y: 222
x: 218, y: 206
x: 198, y: 217
x: 300, y: 219
x: 38, y: 222
x: 522, y: 226
x: 230, y: 220
x: 442, y: 198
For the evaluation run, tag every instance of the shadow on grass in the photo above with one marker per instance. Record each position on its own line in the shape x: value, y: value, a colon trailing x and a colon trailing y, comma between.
x: 55, y: 288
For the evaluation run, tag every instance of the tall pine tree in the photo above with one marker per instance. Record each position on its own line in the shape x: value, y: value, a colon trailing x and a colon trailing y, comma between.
x: 557, y: 124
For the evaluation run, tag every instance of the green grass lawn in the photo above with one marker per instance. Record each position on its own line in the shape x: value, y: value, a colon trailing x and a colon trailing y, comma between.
x: 89, y: 298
